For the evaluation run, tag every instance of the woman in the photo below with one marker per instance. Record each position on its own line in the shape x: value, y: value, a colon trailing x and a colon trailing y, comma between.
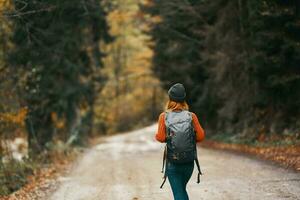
x: 178, y: 174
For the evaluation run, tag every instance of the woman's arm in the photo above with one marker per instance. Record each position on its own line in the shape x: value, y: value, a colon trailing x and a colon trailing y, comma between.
x: 199, y: 130
x: 161, y: 131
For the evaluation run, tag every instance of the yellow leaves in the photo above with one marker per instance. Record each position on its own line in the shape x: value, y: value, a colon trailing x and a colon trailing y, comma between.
x: 156, y: 19
x: 120, y: 21
x: 118, y: 16
x: 15, y: 118
x: 128, y: 96
x: 144, y: 55
x: 5, y: 4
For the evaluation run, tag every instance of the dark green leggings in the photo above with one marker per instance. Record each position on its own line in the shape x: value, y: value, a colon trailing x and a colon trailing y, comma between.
x: 178, y: 176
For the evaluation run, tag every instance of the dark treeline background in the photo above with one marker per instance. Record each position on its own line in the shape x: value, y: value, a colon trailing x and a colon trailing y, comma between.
x: 56, y: 54
x: 239, y: 60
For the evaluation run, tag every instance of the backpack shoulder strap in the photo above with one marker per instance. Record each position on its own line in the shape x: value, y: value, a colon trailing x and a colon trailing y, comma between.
x: 190, y: 115
x: 166, y: 116
x: 164, y: 170
x: 165, y: 154
x: 167, y: 122
x: 196, y: 158
x: 199, y: 170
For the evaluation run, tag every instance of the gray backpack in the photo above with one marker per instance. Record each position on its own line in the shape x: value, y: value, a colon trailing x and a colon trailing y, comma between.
x: 181, y: 140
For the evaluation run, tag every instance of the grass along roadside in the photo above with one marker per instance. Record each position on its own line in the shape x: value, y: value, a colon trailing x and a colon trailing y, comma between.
x: 36, y: 179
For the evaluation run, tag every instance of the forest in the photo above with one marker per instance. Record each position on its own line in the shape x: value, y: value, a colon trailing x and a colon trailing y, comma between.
x: 239, y: 60
x: 74, y: 70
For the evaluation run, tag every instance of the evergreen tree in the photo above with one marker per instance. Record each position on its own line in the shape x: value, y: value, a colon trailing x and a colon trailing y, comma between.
x: 239, y: 59
x: 275, y: 36
x: 56, y: 43
x: 178, y: 41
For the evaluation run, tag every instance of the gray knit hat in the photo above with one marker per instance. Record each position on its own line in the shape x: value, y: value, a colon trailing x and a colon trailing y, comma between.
x: 177, y: 93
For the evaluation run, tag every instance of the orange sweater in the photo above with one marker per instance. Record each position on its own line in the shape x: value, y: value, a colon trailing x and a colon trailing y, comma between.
x: 161, y: 132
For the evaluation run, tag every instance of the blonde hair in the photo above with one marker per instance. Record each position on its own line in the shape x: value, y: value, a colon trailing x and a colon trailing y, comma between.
x: 173, y: 105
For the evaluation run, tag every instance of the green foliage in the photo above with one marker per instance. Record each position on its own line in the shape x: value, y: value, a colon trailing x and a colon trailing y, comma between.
x: 13, y: 175
x: 178, y: 42
x: 239, y: 59
x: 275, y: 58
x: 56, y: 45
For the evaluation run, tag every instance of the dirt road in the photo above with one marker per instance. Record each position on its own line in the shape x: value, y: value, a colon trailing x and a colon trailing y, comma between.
x: 127, y: 167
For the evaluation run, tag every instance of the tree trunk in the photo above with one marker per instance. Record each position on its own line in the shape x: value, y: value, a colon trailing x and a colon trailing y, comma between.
x: 40, y: 132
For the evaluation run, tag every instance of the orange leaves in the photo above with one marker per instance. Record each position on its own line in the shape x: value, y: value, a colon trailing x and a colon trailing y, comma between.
x: 15, y: 118
x: 288, y: 156
x: 148, y: 2
x: 58, y: 123
x: 156, y: 19
x: 43, y: 180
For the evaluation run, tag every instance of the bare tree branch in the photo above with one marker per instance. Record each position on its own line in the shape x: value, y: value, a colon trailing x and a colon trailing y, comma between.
x: 19, y: 14
x: 182, y: 35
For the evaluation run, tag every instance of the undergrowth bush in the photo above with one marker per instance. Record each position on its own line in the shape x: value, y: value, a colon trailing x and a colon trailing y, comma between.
x: 13, y: 175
